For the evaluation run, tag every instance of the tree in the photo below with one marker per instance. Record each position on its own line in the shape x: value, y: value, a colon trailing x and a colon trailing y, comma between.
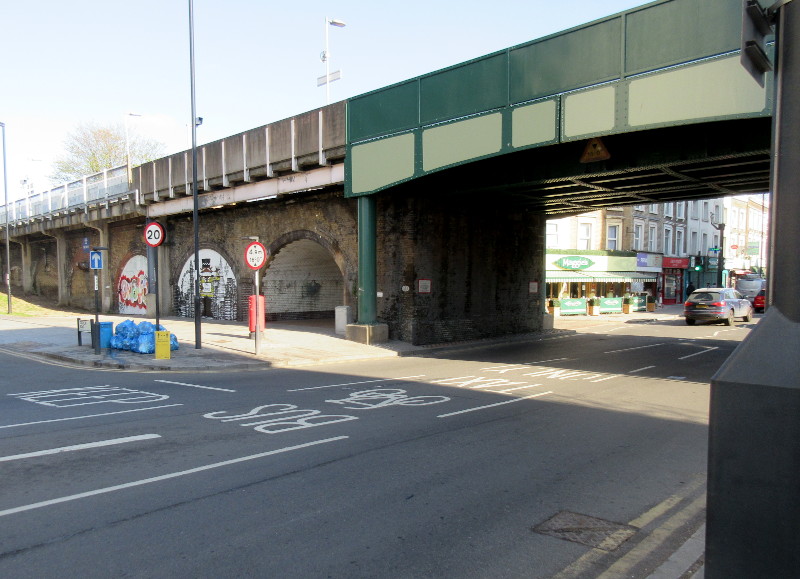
x: 91, y: 148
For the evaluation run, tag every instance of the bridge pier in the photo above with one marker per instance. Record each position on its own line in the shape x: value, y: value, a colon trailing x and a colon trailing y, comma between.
x: 754, y: 431
x: 367, y: 330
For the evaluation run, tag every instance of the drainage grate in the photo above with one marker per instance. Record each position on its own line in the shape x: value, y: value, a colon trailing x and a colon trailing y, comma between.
x: 586, y: 530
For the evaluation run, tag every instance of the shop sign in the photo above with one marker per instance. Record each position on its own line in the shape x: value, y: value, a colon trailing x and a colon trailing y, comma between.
x: 610, y: 305
x: 574, y: 262
x: 572, y: 306
x: 638, y: 303
x: 648, y: 260
x: 675, y: 262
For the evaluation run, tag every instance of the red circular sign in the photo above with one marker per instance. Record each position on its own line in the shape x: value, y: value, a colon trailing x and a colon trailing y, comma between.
x: 255, y: 255
x: 153, y: 234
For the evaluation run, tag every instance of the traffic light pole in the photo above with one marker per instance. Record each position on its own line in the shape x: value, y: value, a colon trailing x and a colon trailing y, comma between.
x: 753, y: 508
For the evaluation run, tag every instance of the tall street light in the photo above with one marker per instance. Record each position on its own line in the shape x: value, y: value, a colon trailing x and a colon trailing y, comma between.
x: 326, y: 58
x: 8, y: 247
x: 128, y: 144
x: 197, y: 316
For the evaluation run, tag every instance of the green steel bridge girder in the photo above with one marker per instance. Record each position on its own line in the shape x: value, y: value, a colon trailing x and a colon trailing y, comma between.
x: 667, y: 64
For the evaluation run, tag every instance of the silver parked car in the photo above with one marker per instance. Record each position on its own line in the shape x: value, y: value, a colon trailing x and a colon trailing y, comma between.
x: 717, y: 304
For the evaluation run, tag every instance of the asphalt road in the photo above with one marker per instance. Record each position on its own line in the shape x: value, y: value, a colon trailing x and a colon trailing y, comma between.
x: 453, y: 466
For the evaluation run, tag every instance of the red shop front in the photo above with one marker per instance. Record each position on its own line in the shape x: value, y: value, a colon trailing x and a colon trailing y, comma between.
x: 673, y: 278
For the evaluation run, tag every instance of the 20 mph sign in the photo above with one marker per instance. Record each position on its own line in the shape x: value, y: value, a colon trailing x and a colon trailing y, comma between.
x: 255, y: 255
x: 153, y: 234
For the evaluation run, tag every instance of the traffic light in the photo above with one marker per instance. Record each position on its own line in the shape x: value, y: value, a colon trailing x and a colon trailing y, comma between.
x: 699, y: 263
x: 756, y: 26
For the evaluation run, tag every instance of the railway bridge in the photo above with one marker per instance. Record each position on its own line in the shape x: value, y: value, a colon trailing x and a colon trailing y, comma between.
x: 422, y: 205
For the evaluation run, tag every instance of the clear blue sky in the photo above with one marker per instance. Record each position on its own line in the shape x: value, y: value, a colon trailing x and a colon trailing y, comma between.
x: 63, y: 63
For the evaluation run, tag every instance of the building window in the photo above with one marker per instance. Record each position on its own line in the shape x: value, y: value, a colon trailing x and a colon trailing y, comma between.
x: 638, y: 207
x: 584, y: 235
x: 668, y: 209
x: 654, y: 208
x: 704, y: 247
x: 680, y: 249
x: 552, y: 234
x: 651, y: 239
x: 667, y: 241
x: 705, y: 211
x: 680, y: 210
x: 638, y: 230
x: 695, y: 209
x: 612, y: 239
x: 694, y: 249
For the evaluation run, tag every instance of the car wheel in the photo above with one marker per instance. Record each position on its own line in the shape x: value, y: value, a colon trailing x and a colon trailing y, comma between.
x: 729, y: 319
x: 760, y: 310
x: 689, y: 322
x: 749, y: 316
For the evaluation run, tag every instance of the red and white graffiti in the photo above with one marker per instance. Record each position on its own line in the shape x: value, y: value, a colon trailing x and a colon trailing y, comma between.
x: 132, y: 290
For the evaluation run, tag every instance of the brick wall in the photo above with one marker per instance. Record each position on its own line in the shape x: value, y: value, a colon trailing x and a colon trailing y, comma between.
x: 479, y: 258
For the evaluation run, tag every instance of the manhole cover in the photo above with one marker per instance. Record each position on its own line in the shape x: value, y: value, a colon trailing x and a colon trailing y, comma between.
x: 586, y: 530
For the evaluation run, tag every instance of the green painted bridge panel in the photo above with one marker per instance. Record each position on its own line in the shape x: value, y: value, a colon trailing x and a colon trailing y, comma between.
x: 565, y: 62
x: 384, y: 111
x: 679, y: 31
x: 476, y: 86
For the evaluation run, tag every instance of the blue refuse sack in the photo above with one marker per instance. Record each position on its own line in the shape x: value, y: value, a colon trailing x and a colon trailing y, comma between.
x: 126, y: 329
x: 173, y: 342
x: 145, y: 344
x: 146, y: 327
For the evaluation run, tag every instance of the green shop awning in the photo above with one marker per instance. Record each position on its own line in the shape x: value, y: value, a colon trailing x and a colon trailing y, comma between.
x: 599, y: 276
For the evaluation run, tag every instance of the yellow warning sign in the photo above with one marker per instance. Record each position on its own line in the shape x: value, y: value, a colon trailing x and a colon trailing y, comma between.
x: 595, y: 151
x: 162, y: 346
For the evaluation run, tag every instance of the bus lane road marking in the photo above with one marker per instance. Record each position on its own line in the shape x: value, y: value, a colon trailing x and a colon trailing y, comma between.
x: 356, y: 383
x: 164, y: 477
x: 196, y: 386
x: 84, y: 446
x: 87, y: 416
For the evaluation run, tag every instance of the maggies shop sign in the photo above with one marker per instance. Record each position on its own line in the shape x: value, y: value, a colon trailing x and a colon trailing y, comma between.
x: 574, y: 262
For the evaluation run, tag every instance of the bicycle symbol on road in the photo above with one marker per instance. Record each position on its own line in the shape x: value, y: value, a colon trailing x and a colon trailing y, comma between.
x: 382, y: 397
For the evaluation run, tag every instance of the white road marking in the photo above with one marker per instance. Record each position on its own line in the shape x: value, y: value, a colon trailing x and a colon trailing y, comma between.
x: 640, y: 369
x: 196, y: 386
x: 635, y: 348
x: 88, y: 416
x: 162, y: 477
x: 495, y: 404
x: 518, y: 388
x: 698, y: 353
x: 97, y: 444
x: 356, y: 383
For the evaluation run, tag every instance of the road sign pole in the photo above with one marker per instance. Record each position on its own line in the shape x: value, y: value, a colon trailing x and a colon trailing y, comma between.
x: 258, y: 311
x: 96, y: 329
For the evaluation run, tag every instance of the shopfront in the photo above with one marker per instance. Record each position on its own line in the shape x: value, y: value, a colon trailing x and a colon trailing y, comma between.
x: 606, y: 274
x: 673, y: 280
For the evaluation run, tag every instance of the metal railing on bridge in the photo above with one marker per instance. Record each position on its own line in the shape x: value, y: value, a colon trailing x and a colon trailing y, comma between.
x: 109, y: 186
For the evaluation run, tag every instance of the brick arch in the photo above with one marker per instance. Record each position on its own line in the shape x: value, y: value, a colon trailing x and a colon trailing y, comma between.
x: 307, y: 276
x: 338, y: 256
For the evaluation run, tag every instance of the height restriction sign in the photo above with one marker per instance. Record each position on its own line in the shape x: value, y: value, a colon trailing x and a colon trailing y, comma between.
x: 255, y: 255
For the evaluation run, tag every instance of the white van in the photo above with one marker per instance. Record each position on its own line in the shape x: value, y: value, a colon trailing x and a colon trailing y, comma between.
x: 750, y: 285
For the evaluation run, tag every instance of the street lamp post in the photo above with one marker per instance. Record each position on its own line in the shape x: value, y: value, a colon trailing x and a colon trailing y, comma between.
x: 197, y: 313
x: 721, y: 255
x: 8, y: 247
x: 128, y: 144
x: 325, y: 57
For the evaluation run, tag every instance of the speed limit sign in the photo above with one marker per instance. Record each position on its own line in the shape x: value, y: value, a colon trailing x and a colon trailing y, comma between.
x: 153, y: 234
x: 255, y: 255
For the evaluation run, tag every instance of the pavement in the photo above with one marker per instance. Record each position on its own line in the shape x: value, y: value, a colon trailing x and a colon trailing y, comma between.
x: 227, y: 346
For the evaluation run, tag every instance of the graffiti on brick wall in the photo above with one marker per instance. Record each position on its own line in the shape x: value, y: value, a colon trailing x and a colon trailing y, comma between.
x: 218, y: 293
x: 132, y: 286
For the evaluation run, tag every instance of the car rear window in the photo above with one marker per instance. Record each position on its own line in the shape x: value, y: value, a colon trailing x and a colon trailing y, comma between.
x: 704, y: 296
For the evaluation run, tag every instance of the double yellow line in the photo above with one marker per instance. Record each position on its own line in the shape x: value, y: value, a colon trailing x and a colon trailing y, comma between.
x: 589, y: 564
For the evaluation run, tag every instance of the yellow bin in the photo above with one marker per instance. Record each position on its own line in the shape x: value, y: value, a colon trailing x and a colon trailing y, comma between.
x: 162, y: 346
